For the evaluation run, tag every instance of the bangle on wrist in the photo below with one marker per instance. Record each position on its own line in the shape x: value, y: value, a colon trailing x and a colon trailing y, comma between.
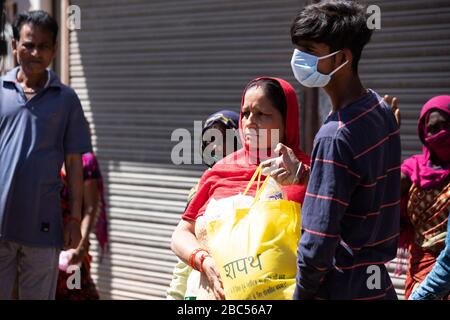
x: 202, y: 259
x: 297, y: 179
x: 193, y: 255
x: 72, y: 218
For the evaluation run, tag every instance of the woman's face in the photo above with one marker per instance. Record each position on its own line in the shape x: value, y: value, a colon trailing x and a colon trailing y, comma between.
x: 437, y: 121
x: 262, y: 123
x: 215, y: 139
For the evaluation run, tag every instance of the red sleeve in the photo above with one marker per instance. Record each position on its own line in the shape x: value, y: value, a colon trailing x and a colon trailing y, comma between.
x: 295, y: 193
x: 198, y: 203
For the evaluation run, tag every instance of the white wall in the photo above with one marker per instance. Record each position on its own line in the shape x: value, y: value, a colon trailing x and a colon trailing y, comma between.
x: 45, y: 5
x: 26, y: 5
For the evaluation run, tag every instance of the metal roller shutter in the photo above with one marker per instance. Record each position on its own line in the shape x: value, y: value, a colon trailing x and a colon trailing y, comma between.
x: 142, y: 69
x: 409, y: 57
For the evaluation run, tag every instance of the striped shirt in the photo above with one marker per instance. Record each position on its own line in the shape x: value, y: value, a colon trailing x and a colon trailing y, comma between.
x: 351, y: 213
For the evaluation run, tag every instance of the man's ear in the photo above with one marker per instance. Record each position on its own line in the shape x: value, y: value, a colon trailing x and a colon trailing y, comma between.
x: 55, y: 49
x: 347, y: 56
x: 14, y: 46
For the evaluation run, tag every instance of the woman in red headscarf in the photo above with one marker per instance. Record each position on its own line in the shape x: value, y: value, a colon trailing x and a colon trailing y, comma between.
x: 426, y: 192
x: 269, y: 108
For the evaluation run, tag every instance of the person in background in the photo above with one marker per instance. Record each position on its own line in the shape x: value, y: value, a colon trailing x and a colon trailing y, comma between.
x: 94, y: 219
x: 425, y: 189
x: 222, y: 121
x: 41, y: 127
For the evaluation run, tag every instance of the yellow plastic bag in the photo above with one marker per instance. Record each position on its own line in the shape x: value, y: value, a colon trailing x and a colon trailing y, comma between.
x: 255, y: 249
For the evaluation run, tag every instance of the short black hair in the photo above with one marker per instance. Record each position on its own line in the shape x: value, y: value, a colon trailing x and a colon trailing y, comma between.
x: 273, y: 91
x: 338, y: 23
x: 37, y: 18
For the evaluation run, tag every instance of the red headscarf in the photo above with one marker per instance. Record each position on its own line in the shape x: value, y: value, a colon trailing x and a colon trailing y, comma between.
x: 231, y: 175
x: 418, y: 168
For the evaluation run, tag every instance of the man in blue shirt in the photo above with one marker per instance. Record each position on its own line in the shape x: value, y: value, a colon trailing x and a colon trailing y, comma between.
x: 41, y: 126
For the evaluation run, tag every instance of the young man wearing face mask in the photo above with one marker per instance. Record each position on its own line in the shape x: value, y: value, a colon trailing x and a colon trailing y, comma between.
x: 350, y: 217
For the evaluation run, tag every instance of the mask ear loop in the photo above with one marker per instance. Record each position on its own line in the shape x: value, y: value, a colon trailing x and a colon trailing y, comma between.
x: 338, y: 68
x: 328, y: 55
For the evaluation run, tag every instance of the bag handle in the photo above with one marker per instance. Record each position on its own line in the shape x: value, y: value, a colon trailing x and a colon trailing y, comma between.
x: 257, y: 174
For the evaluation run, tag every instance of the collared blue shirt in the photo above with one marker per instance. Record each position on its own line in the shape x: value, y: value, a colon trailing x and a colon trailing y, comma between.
x: 35, y: 135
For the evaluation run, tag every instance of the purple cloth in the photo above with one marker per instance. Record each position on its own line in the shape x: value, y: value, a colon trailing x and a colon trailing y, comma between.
x: 418, y: 168
x: 91, y: 170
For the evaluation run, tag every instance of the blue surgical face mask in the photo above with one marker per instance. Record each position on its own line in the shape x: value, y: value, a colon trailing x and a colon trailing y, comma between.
x: 304, y: 67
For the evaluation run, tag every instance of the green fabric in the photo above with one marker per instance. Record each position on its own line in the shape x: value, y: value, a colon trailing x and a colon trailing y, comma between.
x: 177, y: 288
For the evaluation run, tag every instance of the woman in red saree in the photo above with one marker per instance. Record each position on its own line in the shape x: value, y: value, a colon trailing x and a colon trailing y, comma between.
x: 269, y: 105
x: 426, y: 192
